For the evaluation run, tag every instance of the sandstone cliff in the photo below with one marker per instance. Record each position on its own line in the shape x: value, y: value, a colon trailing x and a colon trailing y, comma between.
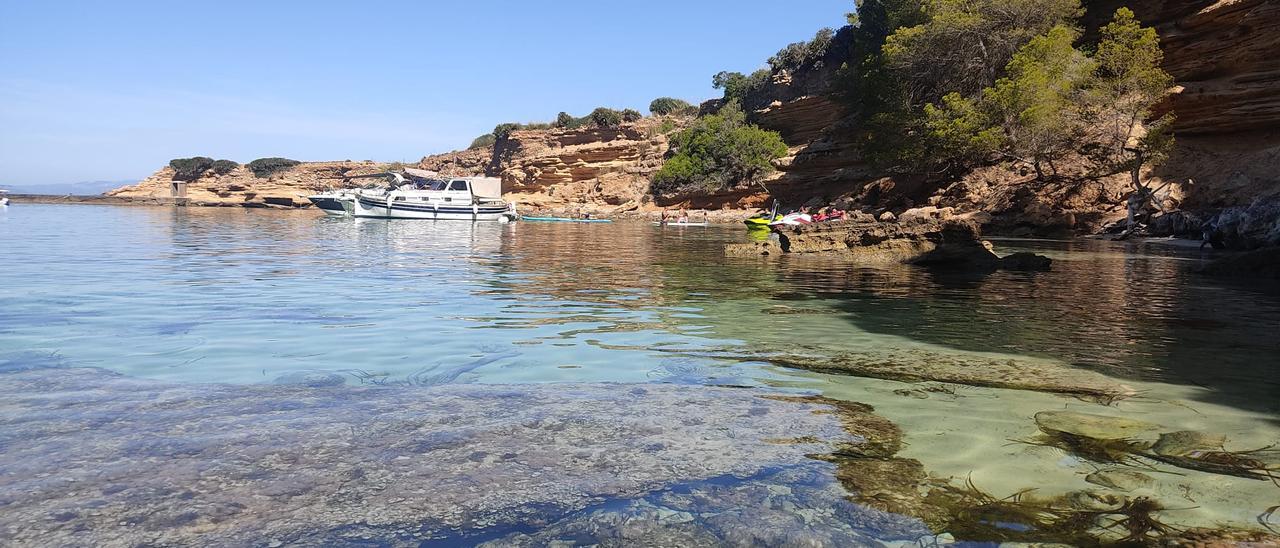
x: 605, y: 170
x: 1227, y: 102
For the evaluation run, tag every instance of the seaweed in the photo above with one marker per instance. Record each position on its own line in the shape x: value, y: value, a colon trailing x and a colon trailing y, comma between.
x: 1241, y: 464
x: 1021, y: 517
x: 1118, y: 451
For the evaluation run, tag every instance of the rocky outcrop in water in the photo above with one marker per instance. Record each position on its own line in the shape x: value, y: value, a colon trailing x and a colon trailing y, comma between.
x: 240, y: 187
x: 94, y: 458
x: 928, y: 237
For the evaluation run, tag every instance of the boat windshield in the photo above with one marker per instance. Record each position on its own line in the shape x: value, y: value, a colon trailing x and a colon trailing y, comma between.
x: 432, y: 185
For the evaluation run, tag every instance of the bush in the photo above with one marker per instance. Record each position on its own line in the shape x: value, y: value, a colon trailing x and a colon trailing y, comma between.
x: 799, y: 54
x: 266, y: 167
x: 564, y: 120
x: 605, y: 117
x: 719, y: 152
x: 223, y: 167
x: 190, y: 169
x: 502, y: 131
x: 631, y: 115
x: 665, y: 106
x: 484, y: 141
x: 740, y: 87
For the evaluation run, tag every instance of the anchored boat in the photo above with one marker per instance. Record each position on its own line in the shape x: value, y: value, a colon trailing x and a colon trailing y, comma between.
x: 4, y: 198
x: 422, y: 196
x: 334, y: 202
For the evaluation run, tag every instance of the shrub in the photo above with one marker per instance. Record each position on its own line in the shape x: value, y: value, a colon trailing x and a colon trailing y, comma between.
x: 719, y: 152
x: 484, y: 141
x: 740, y: 87
x: 800, y: 54
x: 631, y: 115
x: 664, y: 106
x: 605, y: 117
x: 266, y: 167
x: 223, y: 167
x: 502, y: 131
x: 564, y: 120
x: 190, y: 169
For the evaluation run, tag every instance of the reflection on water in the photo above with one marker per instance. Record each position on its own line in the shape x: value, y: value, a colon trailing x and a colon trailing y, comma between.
x: 212, y: 295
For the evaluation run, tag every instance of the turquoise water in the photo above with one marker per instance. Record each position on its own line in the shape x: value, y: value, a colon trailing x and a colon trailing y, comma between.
x: 251, y: 296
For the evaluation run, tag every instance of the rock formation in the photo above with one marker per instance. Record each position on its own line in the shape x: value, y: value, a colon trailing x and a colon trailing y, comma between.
x: 596, y: 168
x: 925, y: 236
x: 240, y: 187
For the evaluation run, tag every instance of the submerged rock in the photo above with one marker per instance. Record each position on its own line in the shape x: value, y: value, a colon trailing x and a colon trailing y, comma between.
x: 1026, y: 261
x: 93, y: 458
x: 1186, y: 442
x: 1260, y: 264
x: 1120, y: 479
x: 1101, y: 427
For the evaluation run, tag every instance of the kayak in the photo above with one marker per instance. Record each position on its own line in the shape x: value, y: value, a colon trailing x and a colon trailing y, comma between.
x: 563, y: 220
x: 659, y: 223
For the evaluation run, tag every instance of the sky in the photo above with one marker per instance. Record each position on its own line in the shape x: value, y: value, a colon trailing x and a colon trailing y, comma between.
x: 114, y: 90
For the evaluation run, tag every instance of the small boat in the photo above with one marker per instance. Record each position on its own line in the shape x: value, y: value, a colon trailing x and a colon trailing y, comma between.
x: 4, y: 198
x: 335, y: 202
x: 761, y: 220
x: 563, y: 220
x: 794, y: 219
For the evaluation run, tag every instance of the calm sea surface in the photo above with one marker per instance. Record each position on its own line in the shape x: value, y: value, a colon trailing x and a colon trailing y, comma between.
x: 250, y: 297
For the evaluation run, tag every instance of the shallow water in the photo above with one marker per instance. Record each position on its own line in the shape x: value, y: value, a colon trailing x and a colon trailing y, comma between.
x: 251, y: 297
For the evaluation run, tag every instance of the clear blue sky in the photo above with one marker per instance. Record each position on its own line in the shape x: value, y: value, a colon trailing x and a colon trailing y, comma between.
x: 113, y: 90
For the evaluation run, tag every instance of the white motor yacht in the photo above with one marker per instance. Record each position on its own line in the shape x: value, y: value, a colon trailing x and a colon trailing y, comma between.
x: 474, y: 199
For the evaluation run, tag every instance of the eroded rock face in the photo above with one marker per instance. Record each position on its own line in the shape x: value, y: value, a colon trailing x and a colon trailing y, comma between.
x: 459, y: 163
x: 589, y: 167
x: 240, y: 187
x: 94, y: 458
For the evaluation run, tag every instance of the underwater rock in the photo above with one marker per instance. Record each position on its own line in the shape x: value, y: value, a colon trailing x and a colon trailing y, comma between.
x: 1120, y: 479
x: 1096, y: 501
x: 976, y: 370
x: 94, y: 458
x: 1101, y: 427
x: 1186, y: 442
x: 1026, y: 261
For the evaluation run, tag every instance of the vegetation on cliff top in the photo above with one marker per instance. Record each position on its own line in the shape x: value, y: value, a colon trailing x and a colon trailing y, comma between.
x: 263, y: 168
x: 667, y: 106
x: 190, y: 169
x: 718, y: 152
x: 602, y: 117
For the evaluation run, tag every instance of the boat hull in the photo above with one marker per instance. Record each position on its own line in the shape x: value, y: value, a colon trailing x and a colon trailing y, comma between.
x: 331, y: 205
x: 379, y: 208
